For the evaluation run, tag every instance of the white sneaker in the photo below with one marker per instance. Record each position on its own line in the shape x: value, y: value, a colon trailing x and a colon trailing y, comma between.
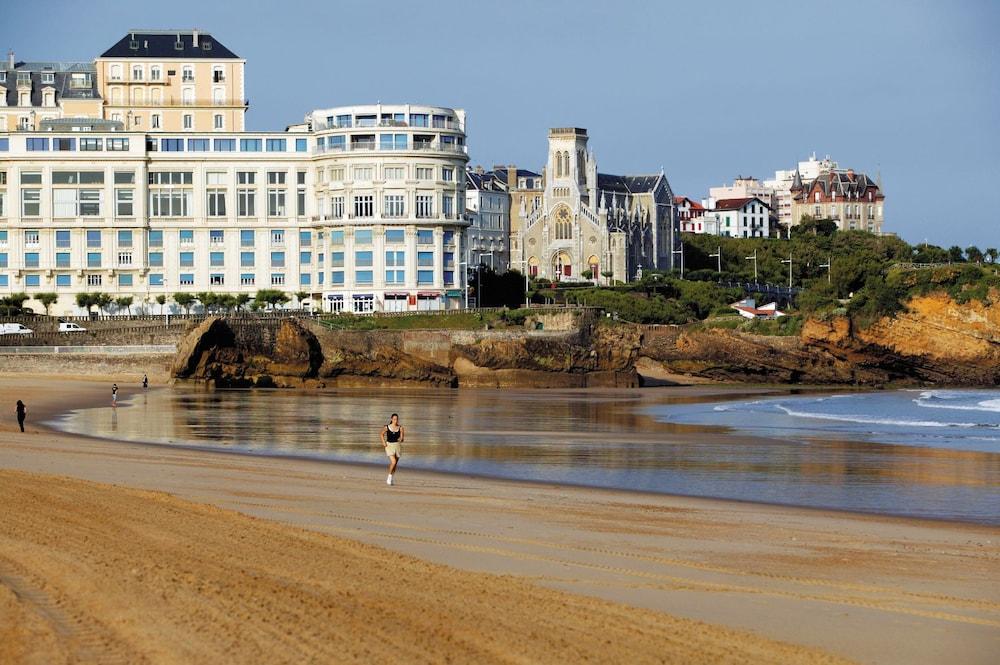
x: 388, y: 481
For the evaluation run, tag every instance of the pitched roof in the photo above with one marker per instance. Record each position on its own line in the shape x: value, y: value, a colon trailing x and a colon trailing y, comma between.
x: 627, y: 184
x: 846, y: 184
x: 694, y: 205
x: 487, y: 180
x: 163, y: 44
x: 501, y: 174
x: 737, y: 204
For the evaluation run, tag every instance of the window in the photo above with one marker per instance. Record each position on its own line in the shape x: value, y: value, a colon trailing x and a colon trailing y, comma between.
x: 170, y: 202
x: 224, y: 145
x: 449, y: 237
x: 218, y: 75
x: 337, y: 278
x: 187, y: 73
x: 277, y: 145
x: 32, y: 280
x: 198, y: 145
x: 186, y: 259
x: 447, y: 205
x: 425, y: 237
x: 31, y: 259
x: 362, y: 237
x: 64, y: 280
x: 136, y: 72
x: 216, y: 203
x: 246, y: 238
x: 276, y: 202
x: 188, y: 121
x: 154, y: 121
x: 337, y: 207
x: 62, y: 238
x: 124, y: 280
x: 425, y: 259
x: 93, y: 238
x: 216, y: 259
x: 336, y: 259
x: 425, y: 206
x: 156, y: 260
x: 364, y: 206
x: 394, y: 205
x: 31, y: 237
x: 216, y: 237
x: 93, y: 259
x: 185, y: 236
x: 186, y: 279
x: 277, y: 259
x: 117, y: 145
x: 447, y: 174
x: 64, y: 144
x: 36, y: 145
x: 395, y: 262
x: 155, y: 238
x: 246, y: 259
x: 425, y: 277
x: 250, y: 145
x: 394, y: 172
x: 277, y: 279
x: 425, y: 173
x: 91, y: 145
x: 395, y: 235
x: 364, y: 277
x: 171, y: 145
x: 301, y: 145
x: 155, y: 73
x: 4, y: 144
x: 418, y: 120
x: 155, y: 279
x: 247, y: 279
x: 363, y: 173
x: 217, y: 122
x: 337, y: 237
x: 392, y: 141
x: 277, y: 237
x: 216, y: 279
x: 3, y: 260
x: 124, y: 238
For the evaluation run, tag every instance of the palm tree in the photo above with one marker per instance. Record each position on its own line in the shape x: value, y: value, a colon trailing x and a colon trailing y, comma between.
x: 47, y: 300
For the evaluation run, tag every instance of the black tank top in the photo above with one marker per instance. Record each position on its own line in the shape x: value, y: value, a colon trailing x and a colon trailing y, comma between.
x: 392, y: 437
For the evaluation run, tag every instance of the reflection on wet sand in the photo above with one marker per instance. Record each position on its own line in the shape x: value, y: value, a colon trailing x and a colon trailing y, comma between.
x: 601, y: 438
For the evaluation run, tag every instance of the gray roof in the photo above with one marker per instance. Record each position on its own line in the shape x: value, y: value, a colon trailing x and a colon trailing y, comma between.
x: 501, y: 174
x: 163, y: 44
x: 627, y: 184
x: 62, y: 76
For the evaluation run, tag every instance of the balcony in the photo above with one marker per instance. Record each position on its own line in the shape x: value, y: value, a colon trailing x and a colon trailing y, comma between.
x: 373, y: 146
x: 453, y: 125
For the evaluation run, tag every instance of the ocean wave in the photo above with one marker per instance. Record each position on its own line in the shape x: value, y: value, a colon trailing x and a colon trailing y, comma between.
x: 881, y: 421
x: 989, y: 405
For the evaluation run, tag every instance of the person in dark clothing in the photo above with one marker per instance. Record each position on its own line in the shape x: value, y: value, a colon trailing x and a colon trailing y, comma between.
x: 393, y: 435
x: 145, y: 382
x: 22, y: 410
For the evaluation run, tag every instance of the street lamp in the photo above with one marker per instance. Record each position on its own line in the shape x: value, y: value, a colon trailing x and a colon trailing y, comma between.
x: 718, y: 255
x: 829, y: 269
x: 754, y: 259
x: 789, y: 262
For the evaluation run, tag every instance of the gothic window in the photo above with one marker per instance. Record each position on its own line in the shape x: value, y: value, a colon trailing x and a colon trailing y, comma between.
x: 580, y: 170
x: 565, y: 163
x: 564, y: 225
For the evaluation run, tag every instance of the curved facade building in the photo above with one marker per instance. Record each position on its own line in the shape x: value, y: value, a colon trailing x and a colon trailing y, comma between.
x: 389, y: 196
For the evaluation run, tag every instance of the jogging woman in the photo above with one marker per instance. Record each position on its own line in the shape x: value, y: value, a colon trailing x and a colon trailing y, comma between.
x: 392, y: 440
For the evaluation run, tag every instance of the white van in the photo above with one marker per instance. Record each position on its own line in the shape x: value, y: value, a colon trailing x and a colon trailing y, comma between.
x: 14, y: 329
x: 70, y: 327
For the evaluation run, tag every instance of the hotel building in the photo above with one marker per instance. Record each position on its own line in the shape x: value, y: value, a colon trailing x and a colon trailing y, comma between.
x: 146, y: 194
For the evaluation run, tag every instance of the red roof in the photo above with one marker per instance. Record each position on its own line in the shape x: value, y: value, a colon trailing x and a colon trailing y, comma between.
x: 737, y: 204
x: 694, y: 205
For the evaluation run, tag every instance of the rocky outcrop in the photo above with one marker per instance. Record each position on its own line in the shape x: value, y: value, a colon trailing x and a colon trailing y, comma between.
x: 936, y: 340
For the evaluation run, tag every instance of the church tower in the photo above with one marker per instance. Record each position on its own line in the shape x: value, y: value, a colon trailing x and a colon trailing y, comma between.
x: 570, y: 173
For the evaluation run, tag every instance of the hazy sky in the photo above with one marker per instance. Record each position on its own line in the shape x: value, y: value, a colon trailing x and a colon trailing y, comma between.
x: 707, y: 90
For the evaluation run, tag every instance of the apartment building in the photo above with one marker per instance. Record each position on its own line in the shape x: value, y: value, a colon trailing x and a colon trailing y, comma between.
x: 853, y: 200
x: 362, y: 207
x: 781, y: 185
x: 487, y: 207
x: 737, y: 218
x: 743, y: 187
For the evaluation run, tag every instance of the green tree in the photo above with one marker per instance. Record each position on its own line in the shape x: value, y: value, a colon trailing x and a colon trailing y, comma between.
x: 185, y: 300
x: 124, y: 302
x: 992, y: 254
x: 103, y: 301
x: 301, y: 296
x: 86, y: 300
x: 271, y: 297
x: 973, y: 254
x: 225, y: 301
x: 161, y: 300
x: 47, y: 300
x: 241, y: 300
x: 955, y: 254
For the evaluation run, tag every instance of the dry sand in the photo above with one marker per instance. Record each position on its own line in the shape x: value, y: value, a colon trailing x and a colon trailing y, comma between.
x: 252, y: 559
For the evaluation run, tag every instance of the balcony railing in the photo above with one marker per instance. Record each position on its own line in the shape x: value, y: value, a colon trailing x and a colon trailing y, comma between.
x: 370, y: 146
x: 454, y: 125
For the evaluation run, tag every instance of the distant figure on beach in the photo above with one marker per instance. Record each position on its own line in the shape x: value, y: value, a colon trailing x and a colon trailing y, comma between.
x: 392, y: 440
x: 22, y: 410
x: 145, y: 382
x: 114, y: 394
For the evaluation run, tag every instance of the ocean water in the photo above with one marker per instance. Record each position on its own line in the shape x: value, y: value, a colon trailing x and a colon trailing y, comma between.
x: 929, y: 454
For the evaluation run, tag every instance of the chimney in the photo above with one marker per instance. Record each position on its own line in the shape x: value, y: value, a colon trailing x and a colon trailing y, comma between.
x: 10, y: 58
x: 194, y: 38
x: 511, y: 177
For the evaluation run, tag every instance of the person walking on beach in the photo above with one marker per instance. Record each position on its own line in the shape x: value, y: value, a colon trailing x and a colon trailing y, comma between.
x: 114, y: 394
x: 145, y: 382
x: 392, y: 440
x: 22, y: 410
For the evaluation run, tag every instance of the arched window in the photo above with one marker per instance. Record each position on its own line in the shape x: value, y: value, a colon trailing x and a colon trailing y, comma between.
x: 116, y: 96
x: 155, y: 73
x: 137, y: 96
x: 187, y: 96
x: 558, y: 164
x: 155, y: 96
x: 116, y: 72
x: 580, y: 169
x: 136, y: 72
x: 566, y: 163
x: 218, y: 96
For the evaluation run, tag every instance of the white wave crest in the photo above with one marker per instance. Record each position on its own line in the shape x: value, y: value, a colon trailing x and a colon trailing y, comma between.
x: 990, y: 405
x: 877, y: 421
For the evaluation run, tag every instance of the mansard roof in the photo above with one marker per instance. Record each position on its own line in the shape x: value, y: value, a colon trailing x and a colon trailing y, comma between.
x: 62, y: 76
x: 501, y: 174
x: 163, y: 44
x: 845, y: 184
x: 488, y: 180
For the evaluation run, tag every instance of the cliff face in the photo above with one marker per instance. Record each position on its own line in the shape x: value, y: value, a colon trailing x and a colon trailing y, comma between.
x: 936, y: 340
x: 305, y: 353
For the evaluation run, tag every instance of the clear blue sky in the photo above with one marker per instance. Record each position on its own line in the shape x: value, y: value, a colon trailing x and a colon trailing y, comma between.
x: 707, y: 90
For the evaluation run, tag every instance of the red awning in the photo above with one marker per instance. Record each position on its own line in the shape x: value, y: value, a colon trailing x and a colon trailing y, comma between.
x: 429, y: 294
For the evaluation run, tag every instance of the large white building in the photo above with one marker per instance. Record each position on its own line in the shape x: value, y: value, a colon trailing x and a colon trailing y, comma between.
x: 360, y: 207
x: 487, y: 206
x: 781, y: 185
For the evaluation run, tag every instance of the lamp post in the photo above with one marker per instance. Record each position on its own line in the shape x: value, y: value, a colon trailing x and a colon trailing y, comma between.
x: 829, y: 269
x: 789, y: 262
x: 681, y: 252
x: 754, y: 259
x: 718, y: 255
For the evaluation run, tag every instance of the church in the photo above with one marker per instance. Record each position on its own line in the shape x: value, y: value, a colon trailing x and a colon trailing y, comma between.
x: 609, y: 227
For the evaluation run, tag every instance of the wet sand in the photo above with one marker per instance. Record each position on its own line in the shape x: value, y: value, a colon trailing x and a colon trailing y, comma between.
x: 131, y: 553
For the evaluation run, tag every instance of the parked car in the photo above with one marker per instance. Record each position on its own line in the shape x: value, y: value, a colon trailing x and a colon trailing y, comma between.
x: 14, y: 329
x: 65, y: 327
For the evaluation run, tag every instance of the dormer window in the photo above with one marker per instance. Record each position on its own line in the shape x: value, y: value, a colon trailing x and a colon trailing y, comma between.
x: 24, y: 78
x: 206, y: 45
x: 48, y: 77
x: 3, y: 77
x: 133, y: 44
x: 79, y: 81
x: 178, y: 45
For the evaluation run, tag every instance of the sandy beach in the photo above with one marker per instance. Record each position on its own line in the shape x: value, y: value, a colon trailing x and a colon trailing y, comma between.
x: 118, y: 552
